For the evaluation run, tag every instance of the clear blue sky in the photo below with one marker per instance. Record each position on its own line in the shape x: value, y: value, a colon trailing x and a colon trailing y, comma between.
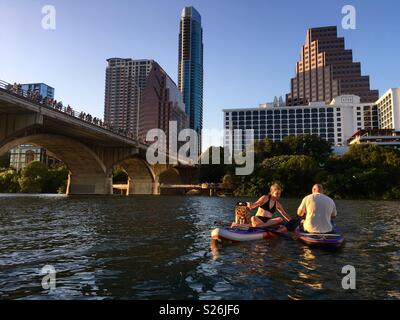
x: 250, y: 47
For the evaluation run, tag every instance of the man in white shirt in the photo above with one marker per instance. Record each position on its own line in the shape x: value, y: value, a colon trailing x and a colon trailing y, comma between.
x: 319, y: 210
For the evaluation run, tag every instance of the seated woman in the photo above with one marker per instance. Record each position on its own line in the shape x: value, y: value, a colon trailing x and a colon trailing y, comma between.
x: 267, y: 205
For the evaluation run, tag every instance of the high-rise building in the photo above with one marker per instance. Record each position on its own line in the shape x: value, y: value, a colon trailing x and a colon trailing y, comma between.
x: 22, y: 155
x: 125, y: 82
x: 140, y: 96
x: 388, y: 109
x: 190, y: 67
x: 161, y: 103
x: 326, y: 70
x: 43, y: 89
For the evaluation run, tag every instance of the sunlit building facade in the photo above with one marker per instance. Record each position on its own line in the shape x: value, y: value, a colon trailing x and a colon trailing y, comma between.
x: 140, y: 96
x: 23, y: 155
x: 380, y: 137
x: 125, y: 83
x: 335, y: 122
x: 326, y: 70
x: 388, y: 108
x: 161, y: 104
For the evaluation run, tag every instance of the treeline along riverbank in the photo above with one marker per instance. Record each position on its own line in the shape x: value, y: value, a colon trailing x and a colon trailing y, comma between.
x: 365, y: 171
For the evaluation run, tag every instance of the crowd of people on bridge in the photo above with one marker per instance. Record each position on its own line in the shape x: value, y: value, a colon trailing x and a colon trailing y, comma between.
x: 36, y: 97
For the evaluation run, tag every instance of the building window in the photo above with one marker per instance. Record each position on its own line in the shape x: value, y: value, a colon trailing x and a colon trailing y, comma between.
x: 29, y: 157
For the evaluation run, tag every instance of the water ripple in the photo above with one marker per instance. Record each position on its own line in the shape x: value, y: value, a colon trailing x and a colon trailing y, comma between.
x: 159, y: 248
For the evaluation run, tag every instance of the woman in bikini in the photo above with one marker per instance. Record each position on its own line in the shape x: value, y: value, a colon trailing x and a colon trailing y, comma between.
x: 267, y: 205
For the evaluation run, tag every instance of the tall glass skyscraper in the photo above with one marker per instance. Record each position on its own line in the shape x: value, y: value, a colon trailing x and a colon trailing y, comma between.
x: 190, y: 67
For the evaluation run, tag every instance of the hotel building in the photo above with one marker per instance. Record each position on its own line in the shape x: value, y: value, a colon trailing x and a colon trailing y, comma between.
x: 335, y: 122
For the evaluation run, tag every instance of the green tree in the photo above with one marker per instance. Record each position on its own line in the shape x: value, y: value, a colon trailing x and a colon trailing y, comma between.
x: 309, y: 145
x: 228, y: 182
x: 212, y: 172
x: 252, y: 186
x: 5, y: 161
x: 119, y: 175
x: 33, y: 177
x: 265, y: 149
x: 371, y: 155
x: 365, y: 171
x: 295, y: 173
x: 55, y: 181
x: 8, y: 181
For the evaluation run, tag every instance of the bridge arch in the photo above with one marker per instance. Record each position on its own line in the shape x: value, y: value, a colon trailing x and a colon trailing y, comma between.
x: 88, y: 174
x: 170, y: 176
x: 141, y: 177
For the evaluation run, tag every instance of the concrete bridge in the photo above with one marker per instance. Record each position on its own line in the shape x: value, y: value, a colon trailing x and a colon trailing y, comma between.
x: 89, y: 151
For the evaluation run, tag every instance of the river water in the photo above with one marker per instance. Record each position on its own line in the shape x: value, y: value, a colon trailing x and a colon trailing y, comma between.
x: 158, y: 247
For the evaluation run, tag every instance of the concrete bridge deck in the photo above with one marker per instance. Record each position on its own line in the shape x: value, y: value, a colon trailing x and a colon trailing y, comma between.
x: 90, y: 151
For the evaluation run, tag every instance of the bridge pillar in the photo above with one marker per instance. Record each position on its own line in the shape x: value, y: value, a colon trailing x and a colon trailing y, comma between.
x: 89, y: 184
x: 142, y: 186
x: 156, y: 186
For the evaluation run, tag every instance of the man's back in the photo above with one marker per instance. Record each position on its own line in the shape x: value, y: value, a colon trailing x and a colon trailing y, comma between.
x: 320, y: 210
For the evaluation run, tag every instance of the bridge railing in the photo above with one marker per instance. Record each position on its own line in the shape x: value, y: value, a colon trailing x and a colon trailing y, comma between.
x: 53, y: 104
x: 35, y: 97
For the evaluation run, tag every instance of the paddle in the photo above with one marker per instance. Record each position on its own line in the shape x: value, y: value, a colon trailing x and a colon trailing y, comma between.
x: 292, y: 224
x: 267, y: 229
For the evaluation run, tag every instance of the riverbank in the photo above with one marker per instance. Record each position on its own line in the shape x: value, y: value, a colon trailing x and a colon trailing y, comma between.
x: 366, y: 171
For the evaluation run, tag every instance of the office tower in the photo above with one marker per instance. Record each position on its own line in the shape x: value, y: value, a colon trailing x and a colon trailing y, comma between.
x: 326, y: 70
x: 140, y: 96
x: 22, y: 155
x: 190, y: 67
x: 43, y: 89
